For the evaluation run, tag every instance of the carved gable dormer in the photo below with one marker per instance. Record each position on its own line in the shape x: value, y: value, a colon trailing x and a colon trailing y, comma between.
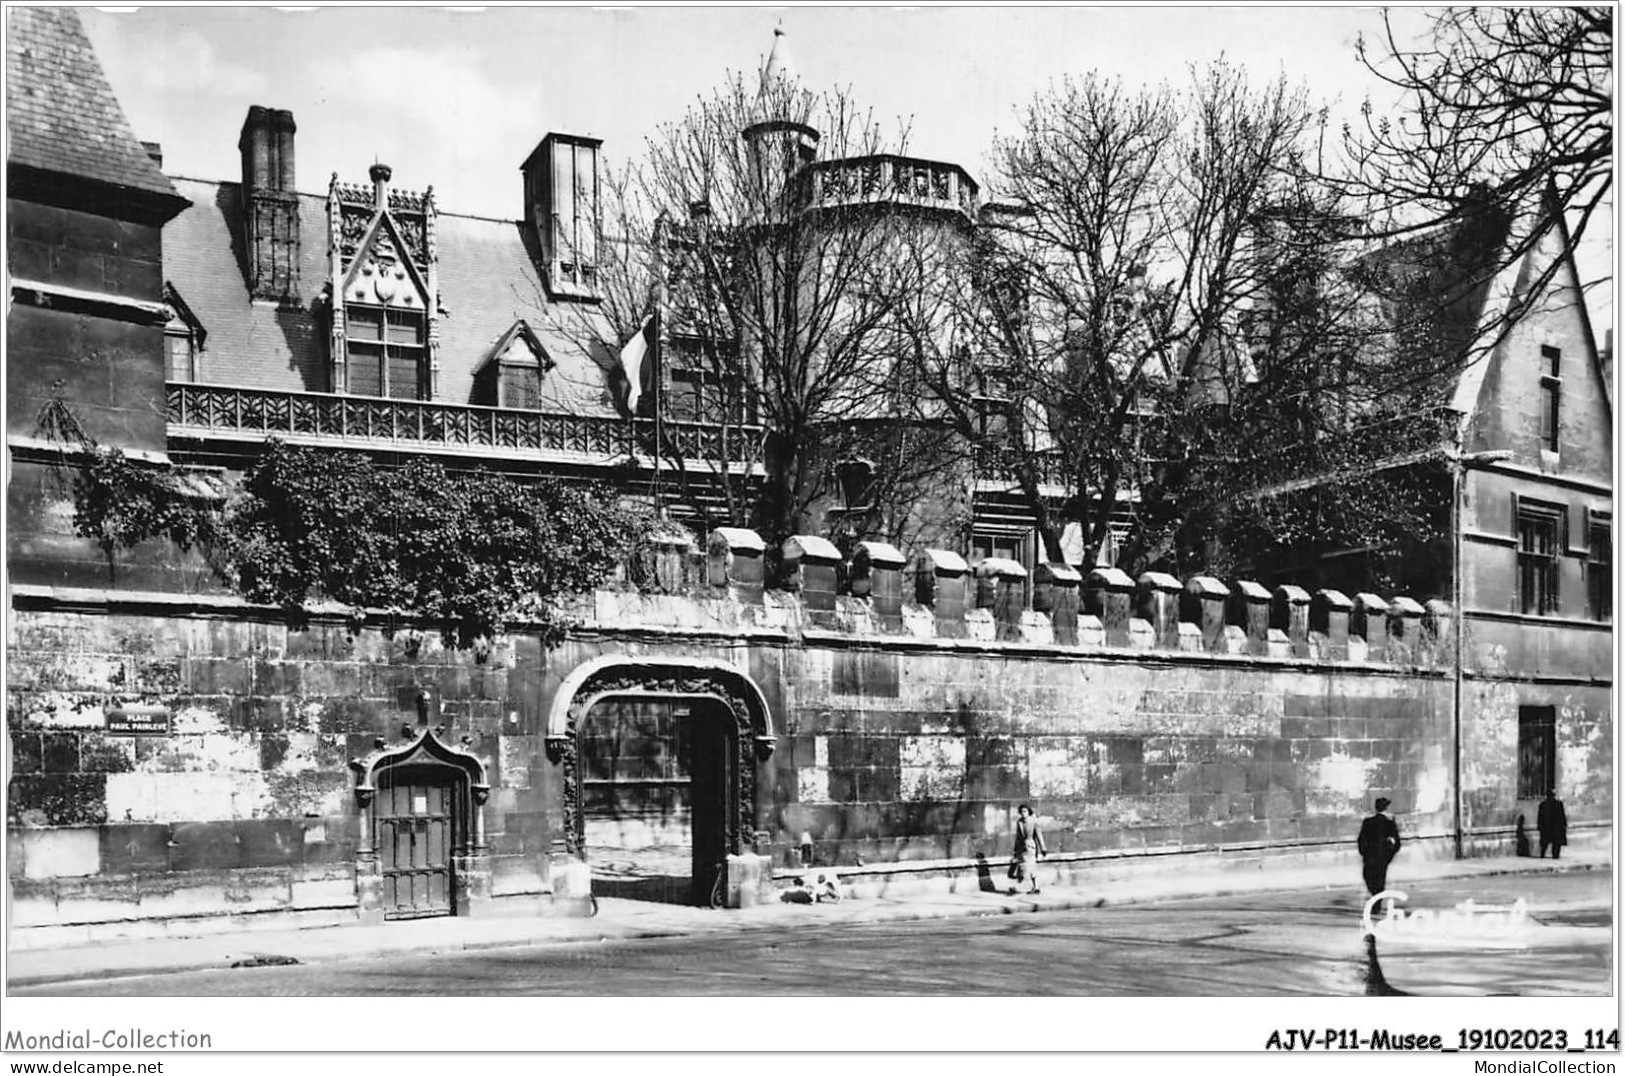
x: 382, y: 271
x: 512, y: 373
x: 382, y: 278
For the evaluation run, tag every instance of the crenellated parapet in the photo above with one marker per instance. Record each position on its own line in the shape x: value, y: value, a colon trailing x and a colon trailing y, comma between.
x: 877, y: 590
x: 1056, y: 595
x: 1202, y: 606
x: 876, y: 573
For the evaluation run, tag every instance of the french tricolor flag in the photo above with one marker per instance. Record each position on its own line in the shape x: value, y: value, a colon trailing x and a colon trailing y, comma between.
x: 636, y: 364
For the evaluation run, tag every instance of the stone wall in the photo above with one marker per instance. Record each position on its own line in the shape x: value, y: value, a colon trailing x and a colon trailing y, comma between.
x: 91, y: 334
x: 108, y: 363
x: 246, y: 804
x: 1584, y: 745
x: 1113, y: 755
x: 906, y: 732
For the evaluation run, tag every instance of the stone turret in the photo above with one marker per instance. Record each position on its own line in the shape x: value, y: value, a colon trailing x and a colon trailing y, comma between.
x: 779, y: 139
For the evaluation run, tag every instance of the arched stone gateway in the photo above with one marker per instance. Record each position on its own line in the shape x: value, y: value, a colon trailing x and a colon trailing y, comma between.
x: 422, y: 849
x: 646, y: 743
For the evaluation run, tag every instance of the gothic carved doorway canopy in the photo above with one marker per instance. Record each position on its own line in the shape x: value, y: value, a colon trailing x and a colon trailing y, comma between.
x: 422, y: 827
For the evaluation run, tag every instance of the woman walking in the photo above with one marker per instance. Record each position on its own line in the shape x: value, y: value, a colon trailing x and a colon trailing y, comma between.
x: 1029, y: 846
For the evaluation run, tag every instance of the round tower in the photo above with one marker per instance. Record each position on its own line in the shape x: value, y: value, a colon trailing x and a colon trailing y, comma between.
x: 778, y: 139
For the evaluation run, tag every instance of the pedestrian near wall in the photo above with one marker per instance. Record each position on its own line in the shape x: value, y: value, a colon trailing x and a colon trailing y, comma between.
x: 1553, y: 823
x: 1378, y: 844
x: 1029, y: 846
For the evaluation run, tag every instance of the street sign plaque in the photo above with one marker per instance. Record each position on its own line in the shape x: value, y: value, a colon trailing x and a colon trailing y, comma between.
x: 136, y: 719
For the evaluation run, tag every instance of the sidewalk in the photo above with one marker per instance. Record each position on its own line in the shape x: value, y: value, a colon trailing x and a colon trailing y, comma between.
x: 621, y: 920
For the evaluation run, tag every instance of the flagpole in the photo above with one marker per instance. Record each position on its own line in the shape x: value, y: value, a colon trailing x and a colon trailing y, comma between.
x: 658, y: 360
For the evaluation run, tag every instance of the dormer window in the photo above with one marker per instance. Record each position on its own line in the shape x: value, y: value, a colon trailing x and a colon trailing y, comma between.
x: 183, y: 338
x: 383, y: 291
x: 513, y: 372
x: 702, y: 384
x: 520, y: 387
x: 180, y: 354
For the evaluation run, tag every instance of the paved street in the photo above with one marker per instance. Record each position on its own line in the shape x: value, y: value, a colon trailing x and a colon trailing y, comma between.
x: 1294, y: 943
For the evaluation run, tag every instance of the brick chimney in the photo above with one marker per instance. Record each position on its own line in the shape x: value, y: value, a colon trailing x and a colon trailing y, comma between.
x: 270, y: 204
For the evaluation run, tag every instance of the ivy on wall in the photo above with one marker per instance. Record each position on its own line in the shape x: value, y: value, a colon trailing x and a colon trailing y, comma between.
x: 473, y: 551
x: 120, y: 504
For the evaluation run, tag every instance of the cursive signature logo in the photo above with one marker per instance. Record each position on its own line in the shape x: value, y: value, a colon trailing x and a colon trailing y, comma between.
x: 1466, y: 922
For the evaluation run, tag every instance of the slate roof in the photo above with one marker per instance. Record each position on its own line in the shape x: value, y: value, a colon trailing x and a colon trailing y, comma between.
x: 250, y: 344
x: 487, y: 277
x: 1465, y: 309
x: 1441, y: 283
x: 61, y: 113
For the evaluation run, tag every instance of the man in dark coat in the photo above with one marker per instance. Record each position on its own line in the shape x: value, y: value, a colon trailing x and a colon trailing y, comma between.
x: 1379, y: 841
x: 1553, y: 823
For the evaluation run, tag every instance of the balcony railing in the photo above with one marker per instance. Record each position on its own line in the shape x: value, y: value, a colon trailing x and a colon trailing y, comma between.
x: 893, y: 180
x: 370, y: 421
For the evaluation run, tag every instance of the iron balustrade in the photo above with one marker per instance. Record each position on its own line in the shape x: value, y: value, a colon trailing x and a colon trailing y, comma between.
x: 270, y: 413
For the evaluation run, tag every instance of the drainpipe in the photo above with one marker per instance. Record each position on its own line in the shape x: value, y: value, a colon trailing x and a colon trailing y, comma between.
x: 1457, y: 474
x: 1460, y: 464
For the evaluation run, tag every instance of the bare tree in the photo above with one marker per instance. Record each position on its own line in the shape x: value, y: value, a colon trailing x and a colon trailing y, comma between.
x: 756, y: 232
x: 1507, y: 113
x: 1314, y: 454
x: 1100, y: 316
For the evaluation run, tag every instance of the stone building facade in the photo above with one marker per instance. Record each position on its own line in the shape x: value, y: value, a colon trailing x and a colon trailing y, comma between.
x: 1146, y: 721
x: 181, y: 760
x: 86, y: 206
x: 1533, y: 540
x: 1516, y: 437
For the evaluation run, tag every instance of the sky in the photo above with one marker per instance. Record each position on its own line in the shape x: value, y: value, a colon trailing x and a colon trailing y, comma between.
x: 456, y: 98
